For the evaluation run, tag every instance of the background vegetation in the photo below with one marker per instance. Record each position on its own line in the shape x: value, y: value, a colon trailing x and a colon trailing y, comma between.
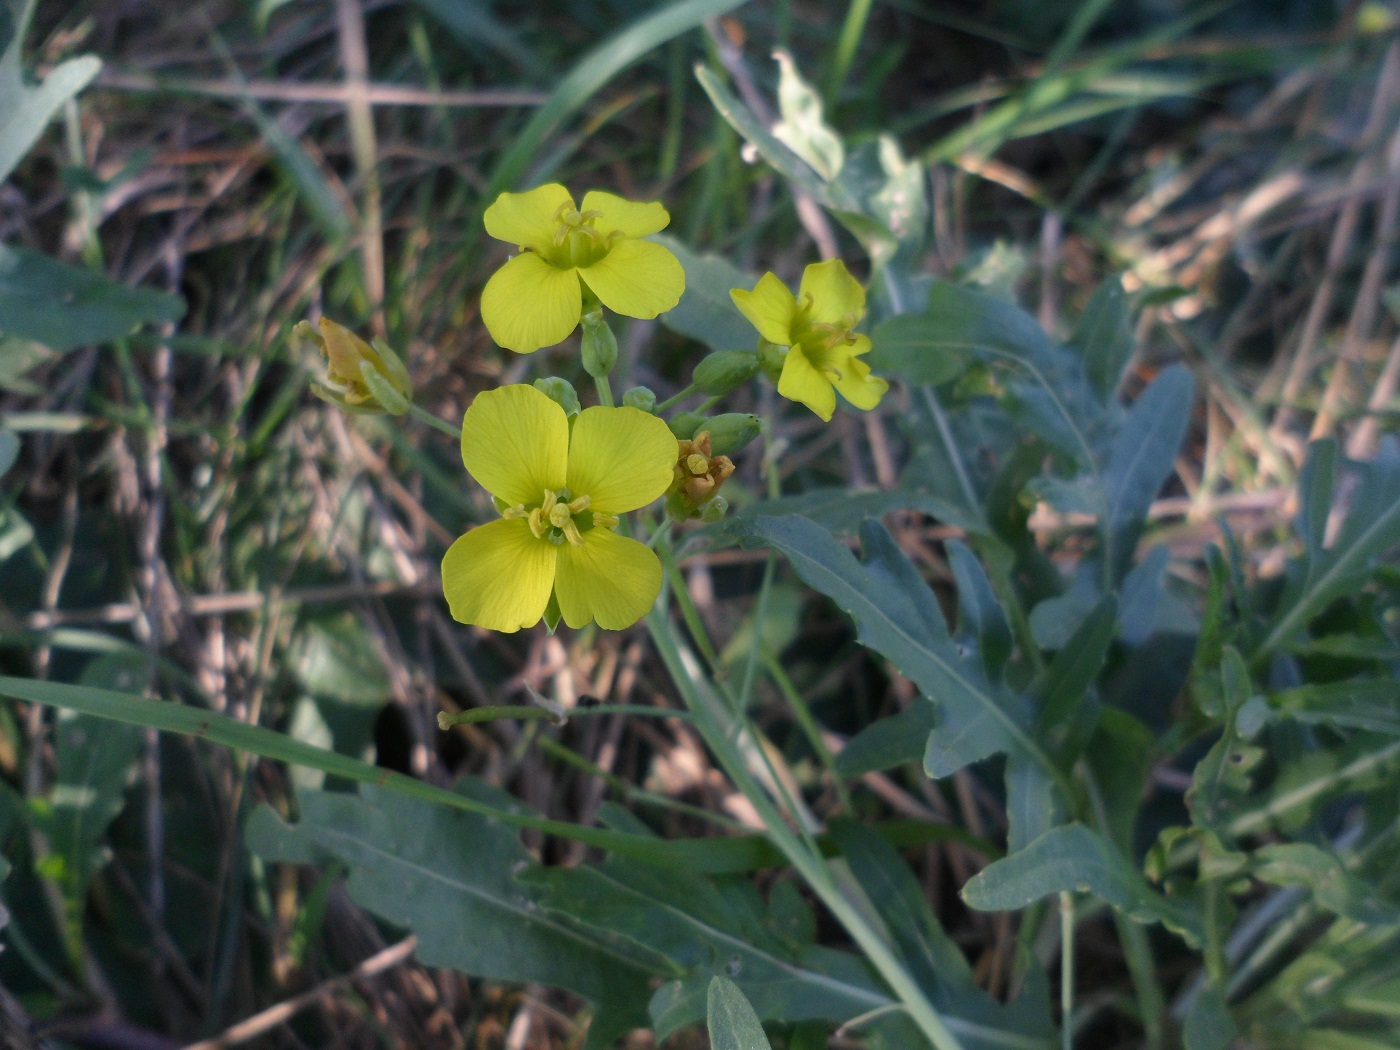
x: 1195, y: 200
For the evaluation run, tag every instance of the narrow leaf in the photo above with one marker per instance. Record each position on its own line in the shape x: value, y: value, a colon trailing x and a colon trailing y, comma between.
x: 1104, y: 338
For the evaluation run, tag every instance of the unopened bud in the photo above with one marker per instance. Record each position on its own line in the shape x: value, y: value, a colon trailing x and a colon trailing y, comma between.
x: 640, y: 397
x: 731, y: 431
x: 599, y: 346
x: 561, y: 392
x: 771, y: 357
x: 684, y: 424
x: 720, y: 373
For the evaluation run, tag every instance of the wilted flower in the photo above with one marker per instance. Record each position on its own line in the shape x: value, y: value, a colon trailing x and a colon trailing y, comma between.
x: 697, y: 477
x: 360, y: 377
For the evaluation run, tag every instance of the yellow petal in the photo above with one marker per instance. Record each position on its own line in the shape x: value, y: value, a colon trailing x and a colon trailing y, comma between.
x: 611, y: 579
x: 802, y: 381
x: 621, y: 458
x: 528, y: 304
x: 499, y: 576
x: 515, y: 442
x: 769, y: 307
x: 835, y: 293
x: 857, y: 385
x: 636, y: 278
x: 632, y: 218
x: 527, y: 219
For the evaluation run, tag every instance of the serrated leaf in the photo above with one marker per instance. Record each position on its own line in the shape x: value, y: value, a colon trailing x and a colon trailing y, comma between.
x: 448, y: 877
x: 65, y: 307
x: 1073, y: 858
x: 706, y: 313
x: 730, y: 1019
x: 917, y: 347
x: 1142, y: 457
x: 1104, y: 338
x: 896, y: 615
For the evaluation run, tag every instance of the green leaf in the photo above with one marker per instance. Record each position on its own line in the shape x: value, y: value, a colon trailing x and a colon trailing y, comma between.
x: 472, y: 23
x: 889, y: 742
x: 1141, y: 459
x: 1069, y: 709
x: 1371, y: 704
x: 448, y: 877
x: 65, y: 307
x: 699, y: 928
x: 896, y: 615
x: 692, y: 854
x: 9, y: 450
x: 1104, y: 338
x: 1209, y: 1025
x: 1074, y: 859
x: 1120, y: 755
x: 979, y: 1020
x: 1222, y: 779
x: 842, y: 510
x: 916, y: 347
x: 1332, y: 886
x: 706, y: 313
x: 983, y: 616
x: 730, y: 1019
x: 93, y: 762
x: 802, y: 128
x: 1315, y: 485
x: 1371, y: 528
x: 592, y: 72
x: 25, y: 111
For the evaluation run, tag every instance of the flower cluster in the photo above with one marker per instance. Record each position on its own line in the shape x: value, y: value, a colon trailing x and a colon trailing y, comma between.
x: 562, y: 476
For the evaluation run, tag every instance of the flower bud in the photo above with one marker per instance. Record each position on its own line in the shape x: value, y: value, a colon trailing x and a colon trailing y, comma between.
x: 771, y: 358
x: 561, y: 392
x: 599, y: 345
x: 684, y: 424
x: 640, y: 397
x: 731, y: 431
x: 722, y: 372
x: 698, y: 475
x: 360, y: 377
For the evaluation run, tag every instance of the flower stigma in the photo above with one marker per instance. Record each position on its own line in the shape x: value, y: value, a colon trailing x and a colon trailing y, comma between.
x: 577, y: 241
x: 556, y: 519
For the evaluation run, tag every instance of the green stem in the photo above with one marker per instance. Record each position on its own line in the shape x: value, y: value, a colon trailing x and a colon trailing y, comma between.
x: 803, y: 714
x: 424, y: 416
x: 605, y: 397
x: 808, y: 863
x: 1066, y: 971
x: 852, y: 29
x: 674, y: 399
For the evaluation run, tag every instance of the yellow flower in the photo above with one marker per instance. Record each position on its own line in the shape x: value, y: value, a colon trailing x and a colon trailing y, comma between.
x: 818, y: 327
x: 362, y: 378
x: 535, y: 299
x: 560, y: 490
